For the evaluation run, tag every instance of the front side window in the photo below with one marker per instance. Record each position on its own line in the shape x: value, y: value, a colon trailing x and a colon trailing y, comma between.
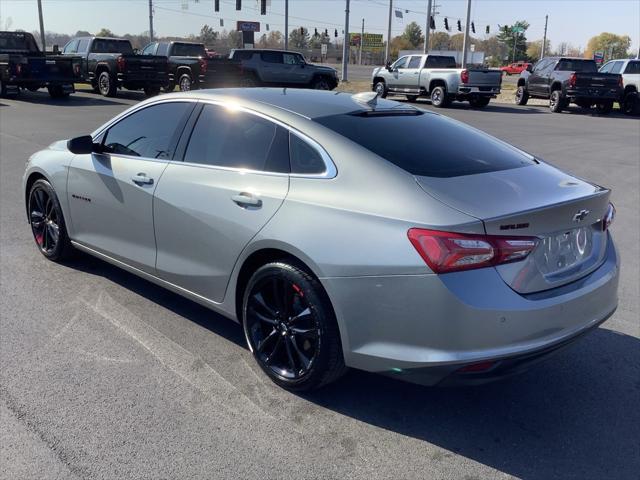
x: 607, y: 68
x: 234, y: 139
x: 292, y: 59
x: 148, y: 133
x: 148, y: 50
x: 414, y: 62
x: 71, y: 47
x: 617, y: 67
x: 400, y: 63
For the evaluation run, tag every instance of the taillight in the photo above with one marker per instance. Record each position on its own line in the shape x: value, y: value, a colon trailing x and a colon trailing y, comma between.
x: 18, y: 69
x: 449, y: 252
x: 609, y: 217
x: 620, y: 82
x: 76, y: 69
x: 464, y: 76
x: 203, y: 65
x: 572, y: 80
x: 121, y: 63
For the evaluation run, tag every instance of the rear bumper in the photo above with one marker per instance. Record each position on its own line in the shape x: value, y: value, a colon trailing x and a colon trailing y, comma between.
x: 142, y: 79
x: 479, y: 91
x: 594, y: 94
x: 424, y: 328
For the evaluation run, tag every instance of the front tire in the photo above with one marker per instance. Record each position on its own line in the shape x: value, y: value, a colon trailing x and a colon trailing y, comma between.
x: 522, y: 96
x: 290, y: 327
x: 630, y: 104
x: 47, y: 222
x: 439, y: 97
x: 557, y: 102
x: 381, y: 89
x: 107, y: 85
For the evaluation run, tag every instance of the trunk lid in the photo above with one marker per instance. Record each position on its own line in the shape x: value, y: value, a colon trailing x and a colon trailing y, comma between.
x: 563, y: 212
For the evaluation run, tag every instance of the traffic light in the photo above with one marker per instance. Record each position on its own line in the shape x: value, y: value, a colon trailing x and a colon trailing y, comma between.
x: 335, y: 33
x: 302, y: 31
x: 432, y: 23
x: 459, y: 26
x: 263, y: 7
x: 473, y: 27
x: 216, y: 5
x: 326, y: 32
x: 446, y: 24
x: 238, y: 4
x: 487, y: 30
x: 315, y: 32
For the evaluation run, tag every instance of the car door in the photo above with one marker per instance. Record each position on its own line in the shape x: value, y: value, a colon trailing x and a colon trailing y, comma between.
x: 395, y: 78
x: 111, y: 194
x: 233, y: 177
x: 410, y: 76
x: 270, y: 66
x: 294, y: 69
x: 537, y: 79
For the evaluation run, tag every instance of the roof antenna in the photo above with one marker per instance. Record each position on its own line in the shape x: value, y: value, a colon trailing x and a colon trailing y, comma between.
x: 369, y: 98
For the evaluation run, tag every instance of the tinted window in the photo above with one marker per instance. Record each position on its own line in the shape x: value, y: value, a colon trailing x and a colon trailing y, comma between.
x: 401, y: 62
x: 163, y: 49
x: 577, y: 65
x: 103, y: 45
x: 149, y: 132
x: 632, y: 67
x: 83, y: 45
x: 427, y: 144
x: 606, y: 68
x: 17, y: 41
x: 304, y: 158
x: 271, y: 57
x: 149, y: 49
x: 242, y: 55
x: 414, y: 62
x: 292, y: 59
x: 228, y: 138
x: 617, y: 67
x: 188, y: 50
x: 71, y: 47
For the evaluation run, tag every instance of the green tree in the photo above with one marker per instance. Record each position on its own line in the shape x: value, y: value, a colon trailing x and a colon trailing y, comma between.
x: 299, y: 39
x: 535, y: 48
x: 439, y: 41
x: 413, y: 35
x: 208, y: 35
x: 613, y: 46
x: 509, y: 37
x: 105, y: 32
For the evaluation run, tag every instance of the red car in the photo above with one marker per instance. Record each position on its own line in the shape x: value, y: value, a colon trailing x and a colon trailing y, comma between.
x: 515, y: 68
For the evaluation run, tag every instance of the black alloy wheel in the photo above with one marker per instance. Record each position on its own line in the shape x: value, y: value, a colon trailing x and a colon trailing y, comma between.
x: 290, y: 328
x: 321, y: 83
x: 47, y: 222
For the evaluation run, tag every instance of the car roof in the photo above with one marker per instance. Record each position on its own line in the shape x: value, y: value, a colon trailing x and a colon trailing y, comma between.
x: 307, y: 103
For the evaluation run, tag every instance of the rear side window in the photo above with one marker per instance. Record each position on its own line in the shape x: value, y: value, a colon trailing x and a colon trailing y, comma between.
x: 103, y: 45
x: 426, y: 144
x: 83, y: 45
x: 233, y: 139
x: 148, y: 133
x: 414, y: 62
x: 188, y: 50
x: 577, y: 65
x: 163, y: 49
x: 632, y: 67
x: 305, y: 159
x: 271, y: 57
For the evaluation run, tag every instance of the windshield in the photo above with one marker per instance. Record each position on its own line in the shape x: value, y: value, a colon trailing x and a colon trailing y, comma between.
x: 103, y: 45
x: 426, y: 144
x: 188, y: 50
x: 576, y: 65
x: 17, y: 41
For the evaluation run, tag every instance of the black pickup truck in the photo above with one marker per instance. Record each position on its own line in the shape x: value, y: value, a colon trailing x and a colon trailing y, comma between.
x: 23, y: 65
x: 111, y: 63
x: 187, y: 63
x: 564, y: 80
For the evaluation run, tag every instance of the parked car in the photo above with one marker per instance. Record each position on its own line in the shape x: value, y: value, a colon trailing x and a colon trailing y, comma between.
x: 565, y: 80
x: 111, y: 63
x: 340, y: 230
x: 23, y: 65
x: 250, y: 68
x: 187, y: 63
x: 630, y: 71
x: 437, y: 77
x: 515, y: 68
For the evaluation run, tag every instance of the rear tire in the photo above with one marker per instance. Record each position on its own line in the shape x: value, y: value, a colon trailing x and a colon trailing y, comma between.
x: 47, y: 222
x: 439, y: 97
x: 381, y: 89
x: 321, y: 83
x: 522, y: 96
x: 107, y: 85
x: 290, y: 327
x: 557, y: 101
x: 630, y: 104
x: 169, y: 87
x: 604, y: 108
x: 185, y: 84
x: 151, y: 91
x: 479, y: 102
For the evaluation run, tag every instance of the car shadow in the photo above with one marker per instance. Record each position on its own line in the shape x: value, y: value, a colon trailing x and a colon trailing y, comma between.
x: 574, y: 416
x: 42, y: 97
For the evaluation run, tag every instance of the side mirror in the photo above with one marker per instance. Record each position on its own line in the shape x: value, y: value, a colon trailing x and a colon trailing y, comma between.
x: 529, y: 68
x: 136, y: 51
x: 388, y: 66
x: 82, y: 145
x: 56, y: 50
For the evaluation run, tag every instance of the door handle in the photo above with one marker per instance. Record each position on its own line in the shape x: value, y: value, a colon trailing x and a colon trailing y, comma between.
x: 246, y: 199
x: 142, y: 179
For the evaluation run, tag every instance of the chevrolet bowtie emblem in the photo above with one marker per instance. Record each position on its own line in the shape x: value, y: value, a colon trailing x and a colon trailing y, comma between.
x: 581, y: 215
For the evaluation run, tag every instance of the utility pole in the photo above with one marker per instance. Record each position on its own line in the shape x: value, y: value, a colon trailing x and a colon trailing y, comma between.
x: 345, y: 46
x: 386, y: 53
x: 286, y: 24
x: 427, y: 28
x: 544, y: 39
x: 361, y: 43
x: 515, y: 42
x: 44, y: 47
x: 465, y: 41
x: 150, y: 20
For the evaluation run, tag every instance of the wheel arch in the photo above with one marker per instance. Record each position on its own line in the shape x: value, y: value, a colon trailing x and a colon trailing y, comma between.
x: 31, y: 179
x: 630, y: 89
x: 379, y: 79
x: 437, y: 82
x: 521, y: 83
x: 555, y: 86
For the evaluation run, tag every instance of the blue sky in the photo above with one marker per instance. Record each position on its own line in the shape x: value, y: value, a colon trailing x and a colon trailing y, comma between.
x: 573, y: 21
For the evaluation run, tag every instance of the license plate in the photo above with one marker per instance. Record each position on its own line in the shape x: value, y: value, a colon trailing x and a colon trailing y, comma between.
x: 564, y: 250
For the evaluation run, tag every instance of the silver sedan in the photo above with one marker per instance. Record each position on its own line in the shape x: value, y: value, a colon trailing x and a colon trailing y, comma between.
x: 340, y: 230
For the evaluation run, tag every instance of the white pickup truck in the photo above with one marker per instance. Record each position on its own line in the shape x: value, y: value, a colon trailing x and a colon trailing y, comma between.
x: 437, y: 77
x: 630, y: 70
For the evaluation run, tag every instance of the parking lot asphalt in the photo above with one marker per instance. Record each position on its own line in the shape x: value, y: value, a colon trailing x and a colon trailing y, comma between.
x: 104, y: 375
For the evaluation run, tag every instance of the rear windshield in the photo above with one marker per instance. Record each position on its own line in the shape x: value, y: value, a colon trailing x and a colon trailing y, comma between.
x: 17, y: 41
x: 188, y: 50
x: 426, y: 144
x: 101, y: 45
x: 566, y: 65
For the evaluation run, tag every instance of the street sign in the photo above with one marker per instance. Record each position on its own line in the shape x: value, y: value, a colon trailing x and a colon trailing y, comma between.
x: 598, y: 56
x: 517, y: 29
x: 323, y: 49
x: 248, y: 26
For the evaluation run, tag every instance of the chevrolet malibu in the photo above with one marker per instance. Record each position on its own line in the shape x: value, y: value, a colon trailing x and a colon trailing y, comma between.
x: 340, y: 230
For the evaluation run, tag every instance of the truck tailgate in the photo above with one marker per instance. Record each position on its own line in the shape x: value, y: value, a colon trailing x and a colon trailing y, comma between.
x: 145, y: 64
x: 485, y: 78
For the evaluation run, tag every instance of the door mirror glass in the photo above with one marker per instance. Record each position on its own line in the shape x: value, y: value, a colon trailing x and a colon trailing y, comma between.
x: 56, y: 50
x: 82, y: 145
x: 388, y: 66
x: 529, y: 68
